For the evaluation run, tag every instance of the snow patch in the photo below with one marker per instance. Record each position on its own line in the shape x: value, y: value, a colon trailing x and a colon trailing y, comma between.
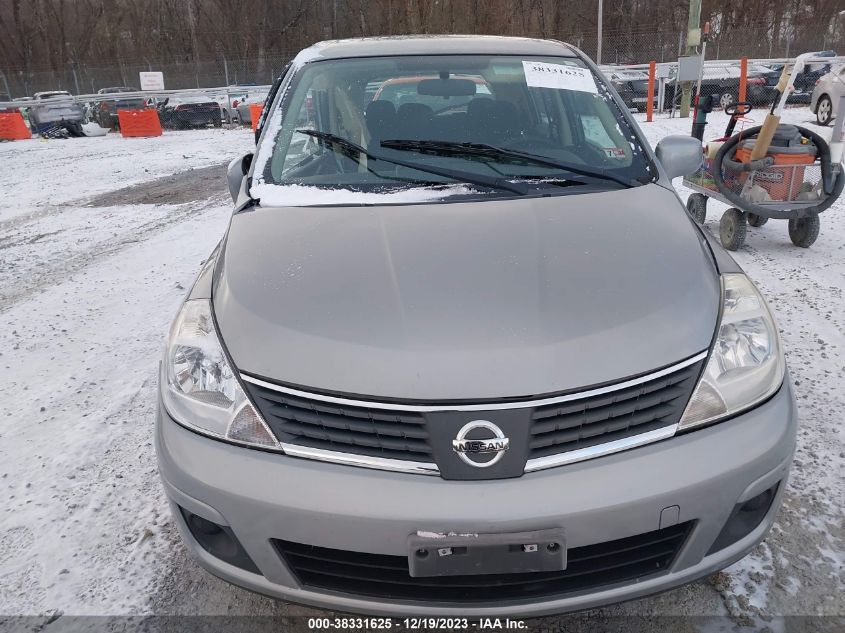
x: 305, y: 196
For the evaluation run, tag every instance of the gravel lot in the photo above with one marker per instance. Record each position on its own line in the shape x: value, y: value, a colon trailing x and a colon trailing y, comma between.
x: 99, y: 240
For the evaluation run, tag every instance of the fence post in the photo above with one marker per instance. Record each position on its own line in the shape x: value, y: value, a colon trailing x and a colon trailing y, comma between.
x: 649, y: 104
x: 6, y: 83
x: 743, y: 77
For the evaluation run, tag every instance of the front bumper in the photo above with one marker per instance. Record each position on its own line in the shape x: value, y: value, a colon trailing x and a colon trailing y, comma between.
x: 263, y: 496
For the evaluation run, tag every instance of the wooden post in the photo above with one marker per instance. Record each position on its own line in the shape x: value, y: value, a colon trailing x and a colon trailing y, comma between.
x: 649, y: 104
x: 743, y: 77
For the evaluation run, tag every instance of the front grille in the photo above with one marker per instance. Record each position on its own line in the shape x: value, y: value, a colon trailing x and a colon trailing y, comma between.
x: 589, y: 568
x: 348, y: 429
x: 567, y: 426
x: 406, y: 433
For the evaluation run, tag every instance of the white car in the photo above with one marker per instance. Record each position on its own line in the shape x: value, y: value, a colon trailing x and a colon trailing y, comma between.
x: 825, y: 99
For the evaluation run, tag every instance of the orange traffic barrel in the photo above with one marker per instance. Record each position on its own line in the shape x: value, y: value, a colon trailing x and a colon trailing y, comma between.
x: 255, y: 114
x: 139, y: 123
x: 13, y: 127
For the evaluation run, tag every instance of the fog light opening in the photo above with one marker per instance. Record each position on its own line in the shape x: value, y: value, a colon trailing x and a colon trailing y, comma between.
x: 219, y: 541
x: 203, y: 526
x: 745, y: 518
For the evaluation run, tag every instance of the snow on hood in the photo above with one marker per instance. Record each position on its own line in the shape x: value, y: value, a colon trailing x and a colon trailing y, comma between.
x: 305, y: 196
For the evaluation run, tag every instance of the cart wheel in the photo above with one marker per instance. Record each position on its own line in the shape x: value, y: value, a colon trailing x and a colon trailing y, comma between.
x: 697, y: 207
x: 756, y: 220
x: 732, y: 229
x: 804, y: 231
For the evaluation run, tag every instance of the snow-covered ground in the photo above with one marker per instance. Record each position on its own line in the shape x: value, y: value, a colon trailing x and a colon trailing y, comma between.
x: 86, y: 295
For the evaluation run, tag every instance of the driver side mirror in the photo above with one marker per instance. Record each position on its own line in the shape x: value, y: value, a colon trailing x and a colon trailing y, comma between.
x: 679, y: 155
x: 236, y: 173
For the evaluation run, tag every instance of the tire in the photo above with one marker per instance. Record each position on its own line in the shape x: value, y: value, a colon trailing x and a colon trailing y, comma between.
x: 756, y: 220
x: 726, y: 99
x: 732, y: 229
x: 697, y: 207
x: 804, y: 231
x: 217, y: 122
x: 824, y: 110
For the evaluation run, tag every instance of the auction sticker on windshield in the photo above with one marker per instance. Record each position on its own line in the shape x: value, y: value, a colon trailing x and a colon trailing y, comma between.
x: 559, y: 76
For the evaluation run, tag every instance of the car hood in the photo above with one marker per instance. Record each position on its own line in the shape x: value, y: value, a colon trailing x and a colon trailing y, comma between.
x: 466, y: 301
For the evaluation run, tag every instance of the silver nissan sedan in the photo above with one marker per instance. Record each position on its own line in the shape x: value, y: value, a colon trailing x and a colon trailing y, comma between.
x: 463, y: 352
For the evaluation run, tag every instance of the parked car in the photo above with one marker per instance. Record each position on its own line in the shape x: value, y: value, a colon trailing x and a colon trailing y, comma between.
x: 243, y: 110
x: 104, y: 110
x: 181, y: 112
x: 824, y: 101
x: 236, y: 95
x: 722, y: 83
x: 804, y: 82
x: 55, y: 107
x: 471, y: 362
x: 632, y: 86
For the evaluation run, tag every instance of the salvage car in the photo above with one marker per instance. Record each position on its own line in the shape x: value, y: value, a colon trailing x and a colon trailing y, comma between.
x: 104, y: 111
x: 55, y: 108
x: 187, y: 111
x: 470, y: 362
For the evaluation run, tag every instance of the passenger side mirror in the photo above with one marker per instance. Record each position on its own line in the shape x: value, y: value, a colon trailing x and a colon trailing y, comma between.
x: 238, y: 169
x: 679, y: 155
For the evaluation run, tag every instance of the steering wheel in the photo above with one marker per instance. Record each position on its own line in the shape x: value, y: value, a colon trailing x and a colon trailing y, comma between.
x: 741, y: 108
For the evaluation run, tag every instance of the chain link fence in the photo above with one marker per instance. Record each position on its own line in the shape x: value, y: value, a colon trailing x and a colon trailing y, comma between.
x: 632, y: 46
x: 88, y: 79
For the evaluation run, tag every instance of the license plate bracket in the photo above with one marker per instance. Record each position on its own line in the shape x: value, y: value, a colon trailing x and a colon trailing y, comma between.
x: 435, y: 554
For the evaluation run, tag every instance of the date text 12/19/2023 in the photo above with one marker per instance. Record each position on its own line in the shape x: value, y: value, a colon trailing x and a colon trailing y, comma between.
x: 446, y: 624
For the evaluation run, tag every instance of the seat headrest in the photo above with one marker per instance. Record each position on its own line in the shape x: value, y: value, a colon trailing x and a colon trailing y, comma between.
x: 379, y: 110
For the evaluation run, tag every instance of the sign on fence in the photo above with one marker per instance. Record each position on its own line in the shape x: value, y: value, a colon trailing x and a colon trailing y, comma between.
x: 152, y: 80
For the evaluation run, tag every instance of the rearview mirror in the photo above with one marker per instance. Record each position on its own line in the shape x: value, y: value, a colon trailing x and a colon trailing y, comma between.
x: 679, y: 155
x: 238, y: 169
x: 446, y: 87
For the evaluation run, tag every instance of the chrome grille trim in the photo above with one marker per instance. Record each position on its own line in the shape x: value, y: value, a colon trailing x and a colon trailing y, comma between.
x: 599, y: 450
x: 497, y: 406
x: 430, y: 468
x: 363, y: 461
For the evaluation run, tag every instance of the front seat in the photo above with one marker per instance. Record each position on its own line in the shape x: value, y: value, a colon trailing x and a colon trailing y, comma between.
x: 414, y: 121
x: 381, y: 122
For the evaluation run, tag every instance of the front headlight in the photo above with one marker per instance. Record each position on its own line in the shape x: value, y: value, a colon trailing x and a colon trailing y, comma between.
x: 199, y: 388
x: 746, y: 365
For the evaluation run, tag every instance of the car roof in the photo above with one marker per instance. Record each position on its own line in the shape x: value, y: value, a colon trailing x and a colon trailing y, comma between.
x: 407, y: 45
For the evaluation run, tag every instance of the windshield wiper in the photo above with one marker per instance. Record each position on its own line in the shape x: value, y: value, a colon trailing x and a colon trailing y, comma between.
x: 449, y: 148
x: 354, y: 151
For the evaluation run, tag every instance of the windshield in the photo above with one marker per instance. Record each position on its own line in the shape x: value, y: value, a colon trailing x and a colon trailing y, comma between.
x: 483, y: 115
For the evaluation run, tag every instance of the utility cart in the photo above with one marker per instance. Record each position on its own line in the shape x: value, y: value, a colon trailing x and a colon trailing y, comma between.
x: 783, y: 172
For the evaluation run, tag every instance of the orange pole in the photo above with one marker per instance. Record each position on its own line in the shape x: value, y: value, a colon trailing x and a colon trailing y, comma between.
x: 649, y: 104
x: 743, y: 77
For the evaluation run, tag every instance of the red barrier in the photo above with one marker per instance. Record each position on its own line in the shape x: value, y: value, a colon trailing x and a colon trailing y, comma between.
x: 743, y: 77
x: 13, y: 127
x: 255, y: 114
x: 139, y: 123
x: 649, y: 104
